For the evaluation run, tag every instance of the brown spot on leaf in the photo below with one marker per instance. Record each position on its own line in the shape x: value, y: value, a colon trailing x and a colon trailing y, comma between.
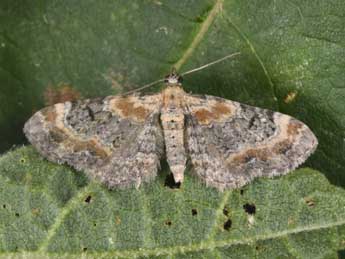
x: 35, y: 211
x: 293, y: 128
x: 60, y: 94
x: 217, y: 111
x: 309, y: 201
x: 117, y: 220
x: 128, y: 109
x: 290, y: 97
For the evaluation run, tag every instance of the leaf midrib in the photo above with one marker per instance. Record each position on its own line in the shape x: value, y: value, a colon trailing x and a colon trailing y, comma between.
x: 200, y: 35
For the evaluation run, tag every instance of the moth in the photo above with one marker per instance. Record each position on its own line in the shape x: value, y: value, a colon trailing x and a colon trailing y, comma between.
x: 120, y: 140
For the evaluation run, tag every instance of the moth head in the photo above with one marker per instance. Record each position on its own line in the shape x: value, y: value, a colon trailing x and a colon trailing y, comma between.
x: 173, y: 78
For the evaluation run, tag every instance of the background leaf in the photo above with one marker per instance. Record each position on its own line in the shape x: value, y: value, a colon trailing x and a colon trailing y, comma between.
x: 292, y: 61
x: 48, y: 209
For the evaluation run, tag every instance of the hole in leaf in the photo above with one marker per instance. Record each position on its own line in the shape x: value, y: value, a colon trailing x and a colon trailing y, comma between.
x: 17, y: 214
x: 94, y: 224
x: 241, y: 192
x: 88, y: 199
x: 249, y: 208
x: 225, y: 211
x: 194, y: 212
x: 84, y: 249
x: 257, y: 248
x: 170, y: 182
x: 227, y: 224
x: 4, y: 206
x: 22, y: 160
x: 168, y: 223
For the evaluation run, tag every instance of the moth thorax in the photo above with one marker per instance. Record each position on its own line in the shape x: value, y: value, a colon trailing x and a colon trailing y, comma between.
x: 173, y: 96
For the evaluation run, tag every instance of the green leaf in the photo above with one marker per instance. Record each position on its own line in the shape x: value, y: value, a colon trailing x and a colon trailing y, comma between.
x: 47, y: 209
x: 292, y: 60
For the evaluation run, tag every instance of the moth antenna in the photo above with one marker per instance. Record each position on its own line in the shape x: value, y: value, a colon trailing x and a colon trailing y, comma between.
x: 211, y: 63
x: 143, y: 87
x: 173, y: 71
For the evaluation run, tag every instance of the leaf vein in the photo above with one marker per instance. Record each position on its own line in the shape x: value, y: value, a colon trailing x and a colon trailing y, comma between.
x: 218, y: 214
x: 200, y: 35
x: 147, y: 235
x: 258, y: 58
x: 211, y: 244
x: 59, y: 220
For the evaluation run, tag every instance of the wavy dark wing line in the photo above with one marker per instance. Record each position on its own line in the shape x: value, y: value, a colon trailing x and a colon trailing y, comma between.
x: 230, y: 143
x: 117, y: 140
